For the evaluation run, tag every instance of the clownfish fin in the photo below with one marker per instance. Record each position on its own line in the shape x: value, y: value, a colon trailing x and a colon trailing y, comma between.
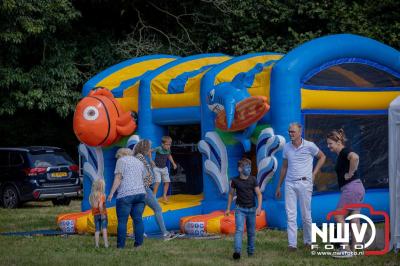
x: 124, y: 119
x: 125, y: 124
x: 101, y: 91
x: 127, y: 129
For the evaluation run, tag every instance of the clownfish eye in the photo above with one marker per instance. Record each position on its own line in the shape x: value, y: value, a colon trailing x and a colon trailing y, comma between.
x: 91, y: 113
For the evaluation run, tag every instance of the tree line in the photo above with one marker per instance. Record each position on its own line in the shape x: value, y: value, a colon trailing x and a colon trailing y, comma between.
x: 50, y: 48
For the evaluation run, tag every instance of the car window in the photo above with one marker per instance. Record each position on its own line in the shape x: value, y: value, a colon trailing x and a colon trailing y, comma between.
x: 4, y: 158
x: 50, y: 159
x: 16, y: 159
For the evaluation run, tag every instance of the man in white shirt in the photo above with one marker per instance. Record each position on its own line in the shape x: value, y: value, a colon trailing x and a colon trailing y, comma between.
x: 297, y: 167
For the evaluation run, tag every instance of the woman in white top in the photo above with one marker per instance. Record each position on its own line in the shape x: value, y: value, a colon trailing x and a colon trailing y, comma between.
x: 128, y: 182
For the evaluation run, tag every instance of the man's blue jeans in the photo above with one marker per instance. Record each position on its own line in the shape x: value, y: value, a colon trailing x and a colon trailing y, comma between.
x: 152, y: 202
x: 133, y: 206
x: 248, y: 215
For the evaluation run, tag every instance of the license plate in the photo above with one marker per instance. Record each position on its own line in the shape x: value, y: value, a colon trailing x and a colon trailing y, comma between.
x: 59, y: 174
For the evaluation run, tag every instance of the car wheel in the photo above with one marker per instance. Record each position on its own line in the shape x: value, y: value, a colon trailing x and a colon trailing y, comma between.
x: 66, y: 201
x: 63, y: 201
x: 10, y: 197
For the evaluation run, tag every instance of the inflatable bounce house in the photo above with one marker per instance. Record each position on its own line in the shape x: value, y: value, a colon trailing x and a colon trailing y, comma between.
x: 240, y: 106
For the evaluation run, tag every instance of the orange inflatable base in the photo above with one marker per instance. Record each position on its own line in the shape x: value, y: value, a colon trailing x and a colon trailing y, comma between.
x: 216, y: 223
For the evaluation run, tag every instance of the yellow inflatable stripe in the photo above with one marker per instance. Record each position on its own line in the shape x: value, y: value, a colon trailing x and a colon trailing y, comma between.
x: 230, y: 72
x: 85, y: 223
x: 181, y: 201
x: 175, y: 100
x: 191, y: 97
x: 130, y: 100
x: 214, y: 225
x: 112, y: 223
x: 82, y: 224
x: 132, y: 91
x: 346, y: 100
x: 193, y: 84
x: 114, y: 80
x: 159, y: 84
x: 261, y: 84
x: 129, y: 103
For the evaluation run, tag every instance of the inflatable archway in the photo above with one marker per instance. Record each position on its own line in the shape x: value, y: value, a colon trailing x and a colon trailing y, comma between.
x: 244, y: 105
x: 347, y: 76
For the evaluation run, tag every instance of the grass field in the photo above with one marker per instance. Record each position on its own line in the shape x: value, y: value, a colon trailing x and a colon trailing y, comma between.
x: 79, y: 249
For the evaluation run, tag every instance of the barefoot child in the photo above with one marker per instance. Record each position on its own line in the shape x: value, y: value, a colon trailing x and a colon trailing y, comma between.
x: 97, y: 200
x: 163, y: 154
x: 246, y: 188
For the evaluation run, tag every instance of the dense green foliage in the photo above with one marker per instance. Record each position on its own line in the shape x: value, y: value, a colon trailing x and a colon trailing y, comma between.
x: 49, y: 48
x: 37, y: 68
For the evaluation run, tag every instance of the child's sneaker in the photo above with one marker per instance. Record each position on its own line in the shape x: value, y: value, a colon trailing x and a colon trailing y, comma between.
x: 236, y: 255
x: 169, y: 236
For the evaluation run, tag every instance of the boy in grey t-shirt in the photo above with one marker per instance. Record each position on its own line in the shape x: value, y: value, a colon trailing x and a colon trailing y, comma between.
x: 246, y: 188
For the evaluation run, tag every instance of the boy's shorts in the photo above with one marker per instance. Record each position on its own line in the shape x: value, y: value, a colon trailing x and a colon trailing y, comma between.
x: 161, y: 173
x: 100, y: 223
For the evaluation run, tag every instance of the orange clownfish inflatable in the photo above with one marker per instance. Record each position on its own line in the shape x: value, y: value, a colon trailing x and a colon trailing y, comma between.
x: 99, y: 119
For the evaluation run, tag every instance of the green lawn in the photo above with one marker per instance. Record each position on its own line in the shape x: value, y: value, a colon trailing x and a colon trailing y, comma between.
x: 79, y: 249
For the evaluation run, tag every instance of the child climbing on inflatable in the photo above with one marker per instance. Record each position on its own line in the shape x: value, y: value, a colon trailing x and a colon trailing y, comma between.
x: 97, y: 201
x: 163, y: 154
x: 142, y: 149
x: 246, y: 188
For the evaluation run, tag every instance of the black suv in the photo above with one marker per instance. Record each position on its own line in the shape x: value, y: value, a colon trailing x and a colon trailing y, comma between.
x: 37, y: 173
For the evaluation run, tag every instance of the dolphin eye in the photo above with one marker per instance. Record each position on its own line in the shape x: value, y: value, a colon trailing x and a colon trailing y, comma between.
x: 91, y: 113
x: 211, y: 95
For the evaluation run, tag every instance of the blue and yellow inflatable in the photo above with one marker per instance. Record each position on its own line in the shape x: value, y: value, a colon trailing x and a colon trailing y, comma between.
x: 339, y: 80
